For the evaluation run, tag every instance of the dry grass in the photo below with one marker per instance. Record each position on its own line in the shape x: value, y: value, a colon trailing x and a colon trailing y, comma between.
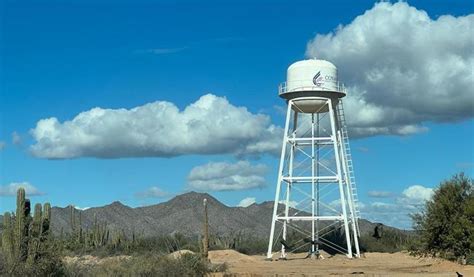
x: 181, y: 264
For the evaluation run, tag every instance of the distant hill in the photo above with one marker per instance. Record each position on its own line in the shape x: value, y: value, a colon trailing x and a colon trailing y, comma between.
x: 184, y: 214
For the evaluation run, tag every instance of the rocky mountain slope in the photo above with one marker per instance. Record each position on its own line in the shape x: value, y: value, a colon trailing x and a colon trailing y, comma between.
x: 183, y: 214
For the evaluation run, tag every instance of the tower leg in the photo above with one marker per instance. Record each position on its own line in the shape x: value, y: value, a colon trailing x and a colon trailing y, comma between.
x: 349, y: 196
x: 280, y: 179
x: 353, y: 223
x: 287, y: 200
x: 317, y: 189
x: 337, y: 142
x: 313, y: 175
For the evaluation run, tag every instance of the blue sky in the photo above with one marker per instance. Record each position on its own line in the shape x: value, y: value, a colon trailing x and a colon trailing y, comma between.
x: 62, y: 58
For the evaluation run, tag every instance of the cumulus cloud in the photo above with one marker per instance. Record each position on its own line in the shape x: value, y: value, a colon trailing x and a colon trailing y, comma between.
x: 280, y: 109
x: 416, y: 194
x: 2, y: 145
x: 11, y: 189
x: 223, y: 176
x: 380, y: 194
x: 211, y: 125
x: 403, y: 68
x: 246, y: 202
x: 392, y: 214
x: 397, y: 211
x: 152, y: 192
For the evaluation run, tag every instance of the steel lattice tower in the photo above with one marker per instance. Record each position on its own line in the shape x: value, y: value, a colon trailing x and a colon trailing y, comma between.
x: 315, y: 195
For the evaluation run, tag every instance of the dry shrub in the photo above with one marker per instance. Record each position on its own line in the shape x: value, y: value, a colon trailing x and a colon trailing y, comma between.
x: 147, y: 265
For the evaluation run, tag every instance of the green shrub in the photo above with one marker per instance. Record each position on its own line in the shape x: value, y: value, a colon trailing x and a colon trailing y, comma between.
x: 470, y: 258
x: 445, y: 227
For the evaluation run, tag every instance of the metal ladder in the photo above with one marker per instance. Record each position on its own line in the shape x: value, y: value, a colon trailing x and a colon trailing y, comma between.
x: 349, y: 163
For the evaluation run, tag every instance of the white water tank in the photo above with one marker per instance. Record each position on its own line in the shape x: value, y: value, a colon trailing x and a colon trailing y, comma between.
x: 311, y: 78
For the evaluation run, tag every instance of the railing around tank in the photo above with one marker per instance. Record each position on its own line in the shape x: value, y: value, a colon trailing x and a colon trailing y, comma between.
x: 336, y: 86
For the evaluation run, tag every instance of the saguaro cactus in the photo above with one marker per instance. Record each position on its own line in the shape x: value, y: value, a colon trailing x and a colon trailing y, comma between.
x: 22, y: 235
x: 8, y: 239
x: 22, y: 223
x: 38, y: 230
x: 72, y: 219
x: 100, y: 234
x: 46, y: 220
x: 35, y: 229
x: 79, y: 232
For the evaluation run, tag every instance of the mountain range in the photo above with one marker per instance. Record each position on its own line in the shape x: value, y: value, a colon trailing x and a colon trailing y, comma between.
x: 182, y: 214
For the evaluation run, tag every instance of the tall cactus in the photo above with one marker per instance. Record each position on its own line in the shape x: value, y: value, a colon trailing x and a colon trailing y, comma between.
x: 22, y: 235
x: 22, y: 223
x: 99, y: 233
x: 46, y: 220
x: 79, y: 235
x: 34, y: 234
x: 35, y: 229
x: 8, y: 239
x: 72, y: 219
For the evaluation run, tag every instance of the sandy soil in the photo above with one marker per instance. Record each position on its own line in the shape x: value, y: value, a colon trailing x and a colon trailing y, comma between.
x: 373, y: 264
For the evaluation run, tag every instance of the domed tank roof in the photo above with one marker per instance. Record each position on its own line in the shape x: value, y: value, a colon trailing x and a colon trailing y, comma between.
x: 312, y: 78
x: 312, y: 63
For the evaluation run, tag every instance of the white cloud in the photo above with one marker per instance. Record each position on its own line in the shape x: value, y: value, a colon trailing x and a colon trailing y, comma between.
x: 383, y: 206
x: 417, y: 194
x: 391, y: 214
x: 380, y: 194
x: 223, y: 176
x: 152, y: 192
x: 397, y: 211
x: 2, y: 145
x: 16, y: 138
x: 280, y: 109
x: 11, y: 189
x: 211, y: 125
x: 402, y: 67
x: 246, y: 202
x: 361, y: 205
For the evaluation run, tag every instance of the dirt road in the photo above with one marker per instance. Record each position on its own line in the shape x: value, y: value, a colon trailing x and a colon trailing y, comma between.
x: 373, y: 264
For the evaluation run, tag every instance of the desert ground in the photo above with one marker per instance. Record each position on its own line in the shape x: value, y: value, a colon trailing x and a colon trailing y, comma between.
x: 372, y: 264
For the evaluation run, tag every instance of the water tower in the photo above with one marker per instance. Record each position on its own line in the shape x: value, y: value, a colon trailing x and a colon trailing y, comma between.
x: 316, y: 200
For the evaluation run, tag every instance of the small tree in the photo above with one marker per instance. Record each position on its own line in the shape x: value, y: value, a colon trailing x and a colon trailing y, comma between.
x: 446, y: 225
